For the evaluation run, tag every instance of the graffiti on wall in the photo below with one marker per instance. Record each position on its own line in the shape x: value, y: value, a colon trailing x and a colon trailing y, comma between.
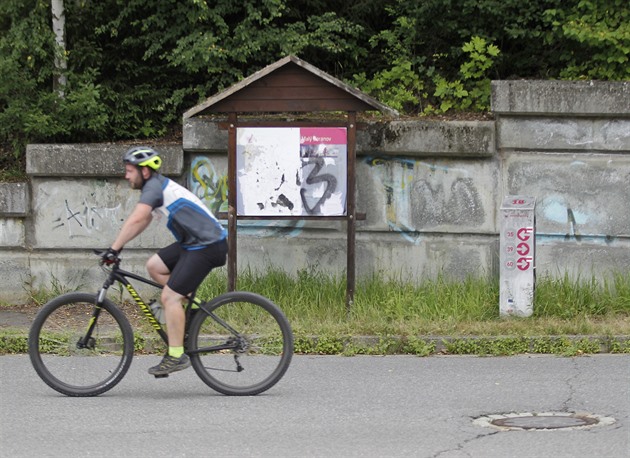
x: 86, y: 218
x: 557, y: 212
x: 421, y: 196
x: 210, y: 186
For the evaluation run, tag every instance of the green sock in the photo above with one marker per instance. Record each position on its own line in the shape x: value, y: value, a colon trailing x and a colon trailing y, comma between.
x: 175, y: 352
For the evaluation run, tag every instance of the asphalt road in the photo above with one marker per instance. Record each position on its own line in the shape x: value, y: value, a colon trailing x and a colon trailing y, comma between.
x: 328, y: 406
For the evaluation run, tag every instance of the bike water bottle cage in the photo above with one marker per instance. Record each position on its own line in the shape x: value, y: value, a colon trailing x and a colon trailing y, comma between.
x: 143, y: 156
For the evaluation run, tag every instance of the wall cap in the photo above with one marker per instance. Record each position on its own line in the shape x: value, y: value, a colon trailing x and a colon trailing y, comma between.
x: 570, y: 98
x: 416, y: 138
x: 93, y: 159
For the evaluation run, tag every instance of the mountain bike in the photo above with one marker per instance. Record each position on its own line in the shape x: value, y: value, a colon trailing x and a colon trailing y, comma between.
x: 82, y: 344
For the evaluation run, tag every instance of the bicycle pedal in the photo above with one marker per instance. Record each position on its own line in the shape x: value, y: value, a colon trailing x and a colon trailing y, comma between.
x: 161, y: 376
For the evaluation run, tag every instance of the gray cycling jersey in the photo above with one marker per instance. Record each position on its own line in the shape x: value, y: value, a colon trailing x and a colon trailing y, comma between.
x: 190, y: 221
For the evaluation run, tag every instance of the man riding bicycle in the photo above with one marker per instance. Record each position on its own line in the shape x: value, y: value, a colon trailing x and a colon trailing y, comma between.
x: 181, y: 267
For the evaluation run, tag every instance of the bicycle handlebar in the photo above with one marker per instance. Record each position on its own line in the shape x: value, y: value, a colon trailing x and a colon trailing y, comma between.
x: 105, y: 261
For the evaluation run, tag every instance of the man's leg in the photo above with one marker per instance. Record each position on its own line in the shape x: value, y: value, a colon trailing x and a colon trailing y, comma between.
x: 158, y: 270
x: 181, y: 271
x: 175, y: 360
x: 172, y: 302
x: 175, y: 317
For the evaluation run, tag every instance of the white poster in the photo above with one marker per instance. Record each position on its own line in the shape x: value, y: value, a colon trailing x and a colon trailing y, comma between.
x: 285, y: 171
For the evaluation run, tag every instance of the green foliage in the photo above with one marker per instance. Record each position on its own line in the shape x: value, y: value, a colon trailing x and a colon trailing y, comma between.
x: 487, y: 346
x: 620, y: 346
x: 135, y: 66
x: 381, y: 346
x: 416, y: 346
x: 320, y: 345
x: 472, y: 91
x: 506, y: 346
x: 399, y: 87
x: 399, y: 84
x: 31, y: 110
x: 13, y: 342
x: 596, y: 39
x: 401, y: 314
x: 566, y: 347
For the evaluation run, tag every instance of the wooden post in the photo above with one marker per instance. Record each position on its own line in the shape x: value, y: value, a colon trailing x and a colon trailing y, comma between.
x: 232, y: 218
x: 352, y: 137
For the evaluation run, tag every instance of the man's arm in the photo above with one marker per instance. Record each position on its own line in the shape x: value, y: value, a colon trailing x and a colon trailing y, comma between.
x: 136, y: 222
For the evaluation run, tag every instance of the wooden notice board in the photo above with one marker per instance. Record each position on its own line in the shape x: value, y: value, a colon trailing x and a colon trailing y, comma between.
x: 282, y: 169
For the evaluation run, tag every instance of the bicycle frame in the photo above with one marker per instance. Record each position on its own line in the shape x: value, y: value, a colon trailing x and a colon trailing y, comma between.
x: 121, y: 276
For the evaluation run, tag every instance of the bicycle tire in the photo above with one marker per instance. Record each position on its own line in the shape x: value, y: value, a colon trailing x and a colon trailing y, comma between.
x: 266, y: 344
x: 58, y: 359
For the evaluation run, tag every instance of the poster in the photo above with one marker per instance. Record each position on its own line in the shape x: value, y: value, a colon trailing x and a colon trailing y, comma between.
x: 291, y: 171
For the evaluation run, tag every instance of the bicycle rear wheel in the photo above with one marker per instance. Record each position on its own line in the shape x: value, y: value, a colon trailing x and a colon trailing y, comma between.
x: 65, y: 359
x: 243, y: 347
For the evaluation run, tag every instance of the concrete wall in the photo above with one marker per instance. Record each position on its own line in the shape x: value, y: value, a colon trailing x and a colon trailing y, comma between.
x: 568, y: 144
x: 431, y: 192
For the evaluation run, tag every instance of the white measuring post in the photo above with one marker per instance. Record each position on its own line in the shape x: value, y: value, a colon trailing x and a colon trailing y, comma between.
x: 517, y: 258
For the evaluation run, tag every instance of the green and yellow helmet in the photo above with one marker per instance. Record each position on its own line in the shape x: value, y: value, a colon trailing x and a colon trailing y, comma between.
x: 143, y: 156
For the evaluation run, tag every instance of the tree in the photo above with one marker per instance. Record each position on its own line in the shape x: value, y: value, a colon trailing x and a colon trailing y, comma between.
x: 61, y: 62
x: 129, y: 68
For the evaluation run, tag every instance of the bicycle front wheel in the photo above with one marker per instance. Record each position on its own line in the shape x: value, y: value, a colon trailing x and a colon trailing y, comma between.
x: 243, y: 346
x: 78, y: 352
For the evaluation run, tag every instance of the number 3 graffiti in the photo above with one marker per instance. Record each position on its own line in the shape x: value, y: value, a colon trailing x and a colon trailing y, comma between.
x: 312, y: 179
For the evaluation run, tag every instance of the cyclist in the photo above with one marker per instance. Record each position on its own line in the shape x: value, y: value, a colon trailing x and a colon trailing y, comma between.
x: 181, y: 267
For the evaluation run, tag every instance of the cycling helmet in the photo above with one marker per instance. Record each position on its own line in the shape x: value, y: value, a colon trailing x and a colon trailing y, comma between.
x: 143, y: 156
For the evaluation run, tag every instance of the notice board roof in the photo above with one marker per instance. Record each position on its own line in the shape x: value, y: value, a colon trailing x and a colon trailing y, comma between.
x: 289, y: 85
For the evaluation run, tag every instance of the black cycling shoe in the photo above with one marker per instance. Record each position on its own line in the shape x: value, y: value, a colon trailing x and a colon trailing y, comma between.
x: 170, y: 364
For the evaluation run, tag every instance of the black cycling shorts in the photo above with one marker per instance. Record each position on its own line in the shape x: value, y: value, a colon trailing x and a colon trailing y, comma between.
x: 189, y: 267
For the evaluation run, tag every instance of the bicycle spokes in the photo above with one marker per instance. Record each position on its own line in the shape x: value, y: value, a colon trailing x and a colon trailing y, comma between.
x: 80, y: 349
x: 242, y: 346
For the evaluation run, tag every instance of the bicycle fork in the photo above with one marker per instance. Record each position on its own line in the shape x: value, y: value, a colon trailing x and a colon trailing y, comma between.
x: 87, y: 341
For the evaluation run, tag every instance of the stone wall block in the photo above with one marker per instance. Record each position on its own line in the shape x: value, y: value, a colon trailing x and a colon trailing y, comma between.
x: 14, y: 199
x: 564, y: 134
x: 87, y: 213
x: 470, y: 139
x: 576, y: 195
x: 567, y: 98
x: 93, y: 160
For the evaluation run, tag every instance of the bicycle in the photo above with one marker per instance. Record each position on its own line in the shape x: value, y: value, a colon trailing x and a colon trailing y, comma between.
x: 239, y: 343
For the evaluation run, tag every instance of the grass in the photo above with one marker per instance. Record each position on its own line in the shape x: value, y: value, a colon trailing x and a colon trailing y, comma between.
x: 572, y: 316
x: 315, y: 304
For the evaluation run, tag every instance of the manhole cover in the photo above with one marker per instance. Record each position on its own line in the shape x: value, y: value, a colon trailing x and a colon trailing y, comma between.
x: 543, y: 421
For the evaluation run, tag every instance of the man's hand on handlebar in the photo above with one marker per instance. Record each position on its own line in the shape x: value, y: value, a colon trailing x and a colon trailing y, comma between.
x: 109, y: 257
